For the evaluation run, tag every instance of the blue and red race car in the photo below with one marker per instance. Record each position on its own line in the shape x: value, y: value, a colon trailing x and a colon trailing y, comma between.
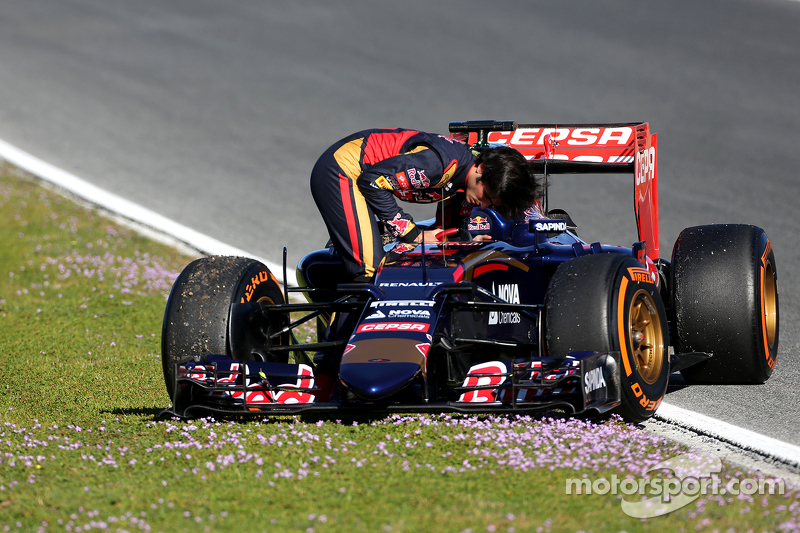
x: 532, y: 318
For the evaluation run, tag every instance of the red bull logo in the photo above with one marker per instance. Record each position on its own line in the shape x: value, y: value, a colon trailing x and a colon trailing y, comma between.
x: 478, y: 223
x: 398, y: 225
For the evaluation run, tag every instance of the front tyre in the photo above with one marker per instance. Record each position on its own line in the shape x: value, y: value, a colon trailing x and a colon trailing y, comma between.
x: 605, y: 303
x: 197, y: 312
x: 725, y: 298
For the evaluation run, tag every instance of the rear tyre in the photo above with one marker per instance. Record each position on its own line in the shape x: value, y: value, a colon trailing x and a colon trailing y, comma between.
x: 725, y: 298
x: 604, y: 303
x: 196, y: 317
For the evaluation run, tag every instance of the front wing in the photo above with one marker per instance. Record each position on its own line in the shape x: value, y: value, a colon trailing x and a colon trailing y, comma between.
x: 217, y: 385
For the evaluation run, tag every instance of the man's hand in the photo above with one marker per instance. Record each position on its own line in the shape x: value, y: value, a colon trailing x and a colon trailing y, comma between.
x: 428, y: 236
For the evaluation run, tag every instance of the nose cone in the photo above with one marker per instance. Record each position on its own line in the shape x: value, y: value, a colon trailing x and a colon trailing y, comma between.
x: 378, y: 380
x: 374, y: 369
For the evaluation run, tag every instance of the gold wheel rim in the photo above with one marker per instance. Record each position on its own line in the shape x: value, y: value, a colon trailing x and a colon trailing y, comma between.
x: 646, y: 336
x: 770, y: 304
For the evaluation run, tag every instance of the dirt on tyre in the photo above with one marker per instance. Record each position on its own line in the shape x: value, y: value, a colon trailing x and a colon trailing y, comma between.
x: 725, y: 300
x: 197, y: 312
x: 609, y: 303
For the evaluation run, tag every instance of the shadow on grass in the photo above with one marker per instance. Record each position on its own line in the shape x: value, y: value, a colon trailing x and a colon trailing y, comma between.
x: 151, y: 412
x: 161, y: 414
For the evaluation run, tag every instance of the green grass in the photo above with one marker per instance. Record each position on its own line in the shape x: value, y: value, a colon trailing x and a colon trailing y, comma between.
x: 81, y: 302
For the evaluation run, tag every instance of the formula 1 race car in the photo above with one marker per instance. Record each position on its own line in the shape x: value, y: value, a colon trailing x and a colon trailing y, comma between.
x: 532, y: 318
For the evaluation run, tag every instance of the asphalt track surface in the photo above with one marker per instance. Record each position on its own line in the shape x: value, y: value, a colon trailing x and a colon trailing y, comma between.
x: 212, y: 114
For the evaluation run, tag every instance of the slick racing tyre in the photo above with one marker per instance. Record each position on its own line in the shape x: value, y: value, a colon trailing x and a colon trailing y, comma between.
x: 725, y: 299
x: 197, y: 312
x: 608, y: 303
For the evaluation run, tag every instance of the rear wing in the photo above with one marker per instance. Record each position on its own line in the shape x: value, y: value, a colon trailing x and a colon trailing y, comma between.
x: 583, y: 149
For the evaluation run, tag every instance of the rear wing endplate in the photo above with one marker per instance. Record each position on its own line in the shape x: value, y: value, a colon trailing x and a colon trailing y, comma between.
x: 584, y: 149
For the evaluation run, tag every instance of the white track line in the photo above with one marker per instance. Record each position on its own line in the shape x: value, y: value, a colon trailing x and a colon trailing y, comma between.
x: 126, y: 209
x: 683, y: 418
x: 748, y: 440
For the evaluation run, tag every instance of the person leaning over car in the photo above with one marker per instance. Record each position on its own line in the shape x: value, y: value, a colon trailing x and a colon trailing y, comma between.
x: 356, y: 182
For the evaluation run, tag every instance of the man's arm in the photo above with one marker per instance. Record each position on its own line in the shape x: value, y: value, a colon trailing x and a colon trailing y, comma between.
x: 413, y: 170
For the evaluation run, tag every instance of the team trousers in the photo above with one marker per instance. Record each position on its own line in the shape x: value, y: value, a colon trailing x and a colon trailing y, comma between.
x: 351, y: 223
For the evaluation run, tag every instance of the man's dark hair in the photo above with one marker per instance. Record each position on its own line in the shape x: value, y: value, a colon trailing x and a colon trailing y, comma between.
x: 506, y: 176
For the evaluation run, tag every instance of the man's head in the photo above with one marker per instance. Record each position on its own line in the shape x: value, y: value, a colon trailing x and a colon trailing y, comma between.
x: 501, y: 178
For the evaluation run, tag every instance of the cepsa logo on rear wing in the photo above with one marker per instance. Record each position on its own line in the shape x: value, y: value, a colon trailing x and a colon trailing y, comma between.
x: 627, y: 147
x: 596, y: 143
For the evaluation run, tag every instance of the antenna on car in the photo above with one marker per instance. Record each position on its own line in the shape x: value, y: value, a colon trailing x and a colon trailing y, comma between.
x: 285, y: 283
x: 549, y: 153
x: 424, y: 266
